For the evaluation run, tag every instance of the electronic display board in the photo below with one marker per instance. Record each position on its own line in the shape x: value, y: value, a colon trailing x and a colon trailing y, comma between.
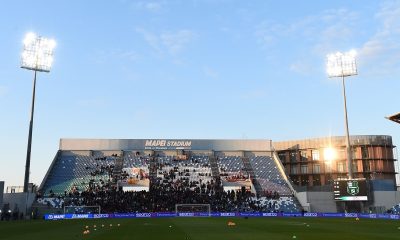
x: 350, y: 190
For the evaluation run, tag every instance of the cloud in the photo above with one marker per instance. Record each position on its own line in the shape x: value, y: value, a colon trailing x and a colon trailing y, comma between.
x: 309, y: 38
x: 322, y: 30
x: 169, y: 42
x: 210, y: 72
x: 339, y: 30
x: 151, y: 6
x: 3, y: 91
x: 103, y: 56
x: 176, y: 41
x: 253, y: 94
x: 151, y: 39
x: 380, y: 53
x: 301, y: 67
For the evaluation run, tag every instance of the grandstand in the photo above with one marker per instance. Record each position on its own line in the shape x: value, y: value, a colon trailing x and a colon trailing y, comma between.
x: 155, y: 175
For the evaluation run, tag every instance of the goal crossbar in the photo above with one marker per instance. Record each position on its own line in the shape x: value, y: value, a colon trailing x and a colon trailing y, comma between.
x: 187, y: 210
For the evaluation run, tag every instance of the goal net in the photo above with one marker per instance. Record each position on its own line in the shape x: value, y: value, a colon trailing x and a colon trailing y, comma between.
x: 82, y: 209
x: 190, y: 210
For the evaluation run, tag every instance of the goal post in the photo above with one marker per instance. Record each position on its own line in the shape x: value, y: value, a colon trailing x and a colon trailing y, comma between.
x: 189, y: 210
x: 82, y: 209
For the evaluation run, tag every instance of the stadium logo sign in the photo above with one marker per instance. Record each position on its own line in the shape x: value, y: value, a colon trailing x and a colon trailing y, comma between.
x: 80, y: 216
x: 166, y: 214
x: 352, y: 188
x: 186, y: 214
x: 332, y: 214
x: 100, y: 216
x: 143, y: 215
x: 310, y: 214
x: 292, y: 214
x: 168, y: 143
x: 228, y: 214
x: 55, y: 216
x: 383, y: 216
x: 350, y: 215
x: 269, y: 214
x: 124, y: 215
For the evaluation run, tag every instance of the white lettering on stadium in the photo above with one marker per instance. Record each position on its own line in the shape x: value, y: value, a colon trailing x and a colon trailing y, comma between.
x: 169, y: 143
x: 143, y: 215
x: 186, y: 214
x: 80, y: 215
x: 270, y: 214
x: 350, y: 215
x: 310, y: 215
x: 227, y: 214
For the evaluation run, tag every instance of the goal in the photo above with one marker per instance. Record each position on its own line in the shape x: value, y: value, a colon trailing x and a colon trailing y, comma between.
x: 190, y: 210
x: 82, y: 209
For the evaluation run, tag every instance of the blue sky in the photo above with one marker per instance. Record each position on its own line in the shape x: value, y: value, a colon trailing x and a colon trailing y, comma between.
x: 194, y: 69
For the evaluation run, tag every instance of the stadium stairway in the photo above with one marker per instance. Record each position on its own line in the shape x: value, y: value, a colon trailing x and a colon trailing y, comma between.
x: 119, y: 163
x: 153, y: 169
x: 214, y: 166
x: 249, y: 169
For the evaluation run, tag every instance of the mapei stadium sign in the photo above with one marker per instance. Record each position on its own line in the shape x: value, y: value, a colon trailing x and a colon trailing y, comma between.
x: 167, y: 144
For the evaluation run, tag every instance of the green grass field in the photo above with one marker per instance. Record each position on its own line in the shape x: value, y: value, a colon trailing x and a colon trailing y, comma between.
x: 204, y: 229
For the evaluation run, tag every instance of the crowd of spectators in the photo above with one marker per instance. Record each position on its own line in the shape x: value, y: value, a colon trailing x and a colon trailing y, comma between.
x: 235, y: 177
x: 174, y: 184
x: 102, y: 169
x: 162, y: 197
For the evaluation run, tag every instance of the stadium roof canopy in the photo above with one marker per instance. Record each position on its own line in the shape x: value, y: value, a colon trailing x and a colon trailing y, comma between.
x: 394, y: 117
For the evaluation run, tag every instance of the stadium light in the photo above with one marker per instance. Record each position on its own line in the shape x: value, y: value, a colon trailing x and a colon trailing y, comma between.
x: 343, y: 65
x: 329, y: 154
x: 37, y: 55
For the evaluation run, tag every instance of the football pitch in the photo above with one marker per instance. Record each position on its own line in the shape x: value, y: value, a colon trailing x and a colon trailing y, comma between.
x: 203, y: 229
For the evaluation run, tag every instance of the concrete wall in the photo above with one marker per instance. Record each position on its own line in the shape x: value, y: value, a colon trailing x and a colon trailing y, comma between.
x: 20, y: 200
x: 302, y: 197
x: 386, y: 199
x: 1, y: 193
x: 324, y: 202
x: 317, y: 201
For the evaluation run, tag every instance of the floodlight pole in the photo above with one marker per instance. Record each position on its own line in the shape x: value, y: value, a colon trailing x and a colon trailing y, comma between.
x: 28, y: 151
x: 348, y: 146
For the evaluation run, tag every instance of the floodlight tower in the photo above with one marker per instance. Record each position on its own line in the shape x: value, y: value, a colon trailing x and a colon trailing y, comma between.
x: 343, y: 65
x: 37, y: 55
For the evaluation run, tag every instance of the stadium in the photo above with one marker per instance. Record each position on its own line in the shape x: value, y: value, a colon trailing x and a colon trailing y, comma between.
x: 108, y: 187
x: 199, y: 120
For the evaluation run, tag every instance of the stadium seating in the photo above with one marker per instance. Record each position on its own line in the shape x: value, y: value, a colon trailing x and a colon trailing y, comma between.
x: 53, y: 202
x: 196, y: 169
x: 76, y: 172
x: 268, y: 175
x: 282, y: 204
x: 92, y: 179
x: 232, y: 166
x: 395, y: 209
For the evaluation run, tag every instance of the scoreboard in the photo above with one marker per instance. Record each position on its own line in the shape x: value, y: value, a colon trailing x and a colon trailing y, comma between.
x: 350, y: 190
